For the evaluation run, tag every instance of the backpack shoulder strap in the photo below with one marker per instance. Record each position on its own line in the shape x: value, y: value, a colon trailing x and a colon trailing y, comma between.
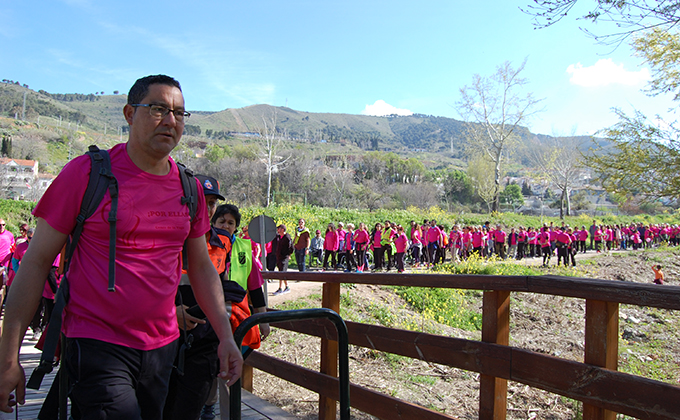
x: 190, y: 198
x: 101, y: 180
x: 189, y: 188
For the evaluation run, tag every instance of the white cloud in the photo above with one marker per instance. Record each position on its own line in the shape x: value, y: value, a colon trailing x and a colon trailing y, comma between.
x: 381, y: 108
x: 605, y: 72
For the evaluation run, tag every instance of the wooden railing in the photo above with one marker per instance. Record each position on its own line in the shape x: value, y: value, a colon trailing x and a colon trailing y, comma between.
x: 595, y: 382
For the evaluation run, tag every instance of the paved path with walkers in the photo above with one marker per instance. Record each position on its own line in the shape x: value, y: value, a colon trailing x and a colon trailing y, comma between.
x: 252, y: 408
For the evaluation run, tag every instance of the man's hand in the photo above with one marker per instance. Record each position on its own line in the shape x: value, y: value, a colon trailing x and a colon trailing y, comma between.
x: 185, y: 321
x: 264, y: 331
x: 12, y: 378
x: 231, y: 361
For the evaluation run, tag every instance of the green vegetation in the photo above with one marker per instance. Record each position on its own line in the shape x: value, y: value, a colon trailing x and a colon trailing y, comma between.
x: 445, y: 306
x: 15, y: 213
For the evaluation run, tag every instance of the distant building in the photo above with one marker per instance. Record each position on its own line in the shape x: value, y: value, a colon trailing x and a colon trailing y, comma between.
x: 19, y: 179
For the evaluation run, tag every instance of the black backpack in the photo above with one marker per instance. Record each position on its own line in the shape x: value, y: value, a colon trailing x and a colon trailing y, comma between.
x: 101, y: 180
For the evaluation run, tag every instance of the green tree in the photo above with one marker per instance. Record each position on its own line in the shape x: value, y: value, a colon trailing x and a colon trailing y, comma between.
x: 646, y: 157
x: 480, y: 171
x: 661, y: 50
x: 215, y: 153
x: 512, y: 194
x: 526, y: 188
x: 579, y: 201
x: 645, y: 161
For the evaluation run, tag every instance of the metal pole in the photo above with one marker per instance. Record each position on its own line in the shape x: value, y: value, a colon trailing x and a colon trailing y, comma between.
x: 263, y: 259
x: 294, y: 315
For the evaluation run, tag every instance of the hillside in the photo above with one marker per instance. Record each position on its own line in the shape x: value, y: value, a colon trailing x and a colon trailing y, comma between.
x: 442, y: 137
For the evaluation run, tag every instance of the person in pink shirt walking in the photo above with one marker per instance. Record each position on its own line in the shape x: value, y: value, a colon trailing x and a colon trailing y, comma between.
x: 331, y: 244
x: 401, y: 244
x: 120, y: 347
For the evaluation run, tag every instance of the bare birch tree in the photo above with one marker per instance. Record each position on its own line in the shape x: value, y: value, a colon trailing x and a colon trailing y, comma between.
x: 271, y: 144
x: 494, y: 108
x: 559, y: 162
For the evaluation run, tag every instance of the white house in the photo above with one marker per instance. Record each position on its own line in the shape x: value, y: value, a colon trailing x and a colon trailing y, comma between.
x: 18, y: 178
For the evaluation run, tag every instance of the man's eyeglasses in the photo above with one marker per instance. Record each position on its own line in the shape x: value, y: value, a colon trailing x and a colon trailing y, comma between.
x: 160, y: 111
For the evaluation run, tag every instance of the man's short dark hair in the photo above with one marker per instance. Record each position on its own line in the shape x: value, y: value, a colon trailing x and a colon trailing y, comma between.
x: 227, y: 209
x: 140, y: 89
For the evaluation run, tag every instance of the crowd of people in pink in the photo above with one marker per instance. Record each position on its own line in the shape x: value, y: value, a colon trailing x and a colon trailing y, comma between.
x: 432, y: 243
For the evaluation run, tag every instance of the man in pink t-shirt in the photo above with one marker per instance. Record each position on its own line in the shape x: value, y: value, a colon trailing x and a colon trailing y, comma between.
x: 499, y: 239
x: 120, y: 346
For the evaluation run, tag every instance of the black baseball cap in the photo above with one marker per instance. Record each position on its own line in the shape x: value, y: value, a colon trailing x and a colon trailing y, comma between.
x: 210, y: 186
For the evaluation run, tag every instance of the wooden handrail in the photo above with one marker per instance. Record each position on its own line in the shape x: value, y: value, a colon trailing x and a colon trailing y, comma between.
x: 603, y: 391
x: 667, y: 297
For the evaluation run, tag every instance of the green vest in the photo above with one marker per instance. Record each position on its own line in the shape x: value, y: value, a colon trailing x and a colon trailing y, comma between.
x: 385, y: 237
x: 299, y: 233
x: 241, y: 261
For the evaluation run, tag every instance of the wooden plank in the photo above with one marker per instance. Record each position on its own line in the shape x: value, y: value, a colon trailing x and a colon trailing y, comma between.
x: 363, y: 399
x: 667, y: 297
x: 602, y: 346
x: 631, y: 395
x: 493, y: 391
x: 458, y: 281
x: 607, y: 290
x: 262, y: 409
x: 563, y: 377
x: 455, y: 352
x: 329, y: 352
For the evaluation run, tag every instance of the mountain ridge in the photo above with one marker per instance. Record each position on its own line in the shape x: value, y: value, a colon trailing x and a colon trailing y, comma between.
x: 406, y: 135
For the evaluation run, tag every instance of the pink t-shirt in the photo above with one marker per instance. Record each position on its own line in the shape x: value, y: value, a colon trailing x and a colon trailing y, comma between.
x: 434, y: 234
x: 361, y: 237
x: 151, y: 229
x: 533, y: 237
x: 331, y: 241
x: 401, y: 242
x: 466, y: 237
x: 454, y: 238
x: 477, y: 238
x: 415, y: 236
x: 6, y: 242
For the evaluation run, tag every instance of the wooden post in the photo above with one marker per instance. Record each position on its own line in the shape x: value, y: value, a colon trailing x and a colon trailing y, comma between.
x: 602, y: 346
x: 493, y: 392
x: 329, y: 351
x: 247, y: 378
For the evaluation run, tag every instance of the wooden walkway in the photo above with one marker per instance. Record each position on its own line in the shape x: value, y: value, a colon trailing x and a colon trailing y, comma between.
x: 252, y: 408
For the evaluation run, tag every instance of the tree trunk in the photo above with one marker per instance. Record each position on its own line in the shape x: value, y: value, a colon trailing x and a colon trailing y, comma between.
x: 497, y: 181
x: 568, y: 202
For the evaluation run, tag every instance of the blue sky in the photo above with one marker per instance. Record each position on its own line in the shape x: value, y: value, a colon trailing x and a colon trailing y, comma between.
x: 322, y: 56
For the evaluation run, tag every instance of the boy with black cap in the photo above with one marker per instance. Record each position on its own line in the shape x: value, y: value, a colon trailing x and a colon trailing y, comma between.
x: 190, y: 385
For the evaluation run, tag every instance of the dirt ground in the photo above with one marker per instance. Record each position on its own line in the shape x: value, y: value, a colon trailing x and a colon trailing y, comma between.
x: 534, y: 322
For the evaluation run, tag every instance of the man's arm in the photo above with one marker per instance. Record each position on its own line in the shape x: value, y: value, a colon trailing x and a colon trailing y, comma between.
x: 207, y: 288
x: 21, y: 306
